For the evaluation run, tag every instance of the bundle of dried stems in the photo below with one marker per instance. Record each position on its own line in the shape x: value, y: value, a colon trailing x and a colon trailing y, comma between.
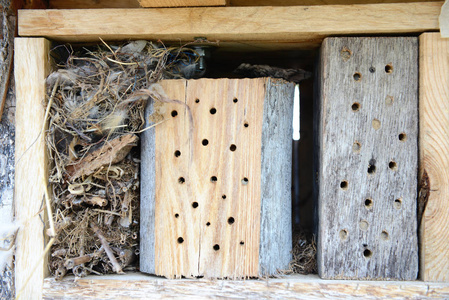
x: 96, y: 102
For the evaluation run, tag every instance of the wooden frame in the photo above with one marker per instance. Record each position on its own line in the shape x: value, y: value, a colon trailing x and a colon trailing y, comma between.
x: 290, y: 27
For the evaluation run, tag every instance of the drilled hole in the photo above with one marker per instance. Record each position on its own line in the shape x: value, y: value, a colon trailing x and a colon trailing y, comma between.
x: 216, y: 247
x: 392, y: 165
x: 213, y: 111
x: 402, y: 137
x: 357, y: 76
x: 195, y: 204
x: 364, y: 225
x: 176, y: 215
x: 372, y: 69
x: 245, y: 181
x: 389, y: 68
x: 177, y: 153
x: 343, y: 234
x: 367, y: 253
x: 181, y: 180
x: 208, y: 224
x: 355, y: 106
x: 223, y: 196
x: 384, y: 235
x: 174, y: 113
x: 356, y: 147
x: 397, y: 203
x: 197, y: 100
x: 368, y: 203
x: 345, y: 54
x: 180, y: 240
x: 235, y: 100
x: 376, y: 124
x: 213, y: 179
x: 205, y: 142
x: 389, y: 100
x: 371, y: 169
x: 233, y: 147
x: 344, y: 185
x: 242, y: 243
x: 231, y: 221
x: 246, y: 124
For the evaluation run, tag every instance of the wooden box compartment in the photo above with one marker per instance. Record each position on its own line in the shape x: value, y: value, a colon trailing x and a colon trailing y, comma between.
x: 288, y: 31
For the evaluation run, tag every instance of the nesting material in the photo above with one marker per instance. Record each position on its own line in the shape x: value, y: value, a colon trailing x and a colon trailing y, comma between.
x: 96, y: 106
x: 304, y: 253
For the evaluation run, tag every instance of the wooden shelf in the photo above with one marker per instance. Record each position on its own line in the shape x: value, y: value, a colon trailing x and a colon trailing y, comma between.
x: 138, y: 285
x: 249, y: 27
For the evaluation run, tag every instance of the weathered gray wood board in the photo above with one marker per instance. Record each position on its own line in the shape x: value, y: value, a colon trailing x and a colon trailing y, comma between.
x: 216, y: 188
x: 367, y: 158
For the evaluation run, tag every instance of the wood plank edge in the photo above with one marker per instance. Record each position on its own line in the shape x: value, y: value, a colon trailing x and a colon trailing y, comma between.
x: 302, y: 286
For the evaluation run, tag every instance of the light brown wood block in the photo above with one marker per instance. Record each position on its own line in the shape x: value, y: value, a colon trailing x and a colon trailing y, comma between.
x: 182, y: 3
x: 289, y: 287
x: 434, y: 156
x: 217, y: 183
x: 255, y: 27
x: 367, y: 157
x: 31, y: 170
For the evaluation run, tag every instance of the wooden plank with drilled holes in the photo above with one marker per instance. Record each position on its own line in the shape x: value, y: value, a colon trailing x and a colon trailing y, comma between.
x: 31, y: 169
x: 217, y: 202
x: 367, y: 171
x: 434, y: 156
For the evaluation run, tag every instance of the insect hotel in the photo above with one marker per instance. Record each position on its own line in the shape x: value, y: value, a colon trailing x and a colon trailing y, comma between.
x: 146, y: 167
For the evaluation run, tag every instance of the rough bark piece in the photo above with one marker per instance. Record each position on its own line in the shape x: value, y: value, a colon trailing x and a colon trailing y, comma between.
x: 289, y: 287
x: 217, y: 200
x: 434, y: 156
x: 285, y: 27
x: 367, y: 158
x: 6, y: 55
x: 31, y: 177
x: 109, y: 153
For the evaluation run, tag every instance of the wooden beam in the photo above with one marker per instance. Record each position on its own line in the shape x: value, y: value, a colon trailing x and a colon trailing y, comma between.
x: 182, y: 3
x: 31, y: 68
x: 434, y: 156
x: 247, y: 25
x: 290, y: 287
x: 85, y: 4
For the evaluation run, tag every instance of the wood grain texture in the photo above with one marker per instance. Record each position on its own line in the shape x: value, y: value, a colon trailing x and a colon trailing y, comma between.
x: 290, y: 287
x: 208, y: 184
x: 300, y: 25
x: 147, y: 194
x: 276, y: 177
x: 31, y: 68
x: 367, y: 173
x: 182, y: 3
x: 434, y: 156
x: 85, y: 4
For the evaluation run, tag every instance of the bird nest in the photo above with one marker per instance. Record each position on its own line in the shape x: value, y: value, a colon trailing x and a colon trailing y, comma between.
x: 96, y: 102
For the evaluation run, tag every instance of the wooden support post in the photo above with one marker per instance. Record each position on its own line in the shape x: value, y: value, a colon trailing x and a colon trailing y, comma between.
x: 434, y: 156
x: 216, y: 187
x: 367, y: 171
x: 31, y: 68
